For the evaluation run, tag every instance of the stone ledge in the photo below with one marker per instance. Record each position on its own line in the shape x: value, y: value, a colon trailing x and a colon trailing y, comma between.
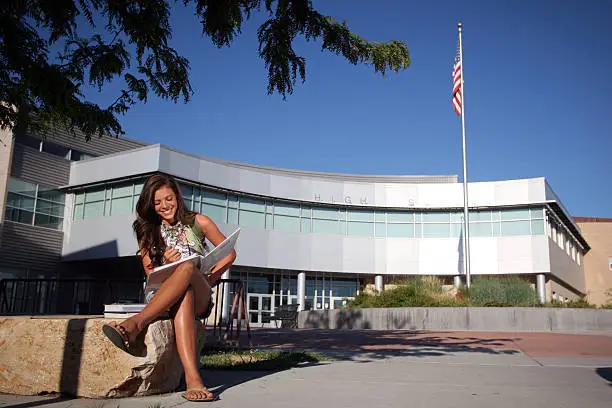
x: 69, y: 354
x: 501, y: 319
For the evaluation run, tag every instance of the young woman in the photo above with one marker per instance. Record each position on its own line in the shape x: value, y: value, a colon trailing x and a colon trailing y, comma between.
x: 166, y: 232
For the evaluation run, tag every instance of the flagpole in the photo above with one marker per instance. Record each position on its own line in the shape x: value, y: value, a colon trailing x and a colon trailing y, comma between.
x: 466, y: 223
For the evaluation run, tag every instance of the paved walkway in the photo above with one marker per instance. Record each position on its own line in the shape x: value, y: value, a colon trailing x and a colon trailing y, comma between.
x: 406, y: 369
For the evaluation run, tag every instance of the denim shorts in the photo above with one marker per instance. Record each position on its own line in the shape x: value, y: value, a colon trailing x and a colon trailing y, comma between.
x: 204, y: 315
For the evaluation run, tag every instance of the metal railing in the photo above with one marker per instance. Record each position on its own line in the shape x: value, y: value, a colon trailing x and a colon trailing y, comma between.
x: 66, y: 296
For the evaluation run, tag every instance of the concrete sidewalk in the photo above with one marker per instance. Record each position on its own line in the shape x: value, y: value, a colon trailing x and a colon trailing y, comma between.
x: 408, y: 369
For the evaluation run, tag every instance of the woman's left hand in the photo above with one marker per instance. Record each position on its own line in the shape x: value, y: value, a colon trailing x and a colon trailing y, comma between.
x: 213, y: 279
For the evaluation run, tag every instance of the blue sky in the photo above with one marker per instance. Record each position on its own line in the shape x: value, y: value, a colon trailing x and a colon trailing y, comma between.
x: 538, y: 95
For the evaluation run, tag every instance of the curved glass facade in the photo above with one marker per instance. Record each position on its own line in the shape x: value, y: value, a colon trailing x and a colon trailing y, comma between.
x: 276, y: 214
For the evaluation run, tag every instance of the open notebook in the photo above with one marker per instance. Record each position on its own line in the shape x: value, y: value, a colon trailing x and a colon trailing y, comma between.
x: 202, y: 262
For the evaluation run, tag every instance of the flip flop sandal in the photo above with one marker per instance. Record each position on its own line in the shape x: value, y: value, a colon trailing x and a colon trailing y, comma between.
x: 205, y: 399
x: 118, y: 336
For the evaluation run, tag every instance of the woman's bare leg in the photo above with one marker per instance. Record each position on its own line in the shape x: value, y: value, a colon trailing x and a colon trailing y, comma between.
x: 186, y: 339
x: 166, y: 296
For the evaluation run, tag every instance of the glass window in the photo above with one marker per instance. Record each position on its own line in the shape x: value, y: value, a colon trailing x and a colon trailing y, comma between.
x: 495, y: 215
x: 79, y: 198
x: 138, y: 188
x: 380, y: 229
x: 270, y: 222
x: 232, y: 216
x: 481, y: 229
x: 19, y: 201
x: 79, y: 156
x: 342, y: 227
x: 456, y: 230
x: 251, y: 204
x: 21, y: 206
x: 510, y: 228
x: 400, y: 230
x: 270, y: 207
x: 21, y: 187
x: 360, y: 215
x: 93, y: 210
x: 325, y: 226
x: 456, y: 217
x: 436, y: 230
x: 305, y: 212
x: 28, y: 141
x: 123, y: 191
x: 537, y: 213
x: 519, y: 214
x: 342, y: 214
x: 215, y: 212
x: 306, y: 224
x: 19, y: 215
x: 121, y: 205
x: 480, y: 216
x: 48, y: 221
x: 252, y: 219
x: 50, y: 208
x: 496, y: 229
x: 55, y: 149
x: 51, y: 195
x: 292, y: 210
x: 213, y: 197
x: 325, y: 213
x: 94, y: 195
x: 363, y: 229
x: 78, y: 212
x: 436, y: 217
x: 232, y: 201
x: 537, y: 227
x: 286, y: 223
x: 186, y: 191
x: 397, y: 217
x: 380, y: 216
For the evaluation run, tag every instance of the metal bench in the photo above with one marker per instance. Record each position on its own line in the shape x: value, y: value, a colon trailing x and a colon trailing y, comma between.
x: 287, y: 314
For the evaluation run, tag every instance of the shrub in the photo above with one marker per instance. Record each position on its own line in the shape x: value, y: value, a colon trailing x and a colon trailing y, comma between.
x: 413, y: 292
x: 606, y: 306
x: 501, y: 291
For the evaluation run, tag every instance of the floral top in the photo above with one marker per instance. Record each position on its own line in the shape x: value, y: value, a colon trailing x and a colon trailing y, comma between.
x: 182, y: 238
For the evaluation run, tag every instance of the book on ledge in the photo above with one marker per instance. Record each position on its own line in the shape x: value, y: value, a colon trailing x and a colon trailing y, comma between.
x: 124, y: 307
x: 203, y: 263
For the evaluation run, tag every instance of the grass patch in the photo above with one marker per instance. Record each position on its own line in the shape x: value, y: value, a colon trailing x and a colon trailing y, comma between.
x: 271, y: 360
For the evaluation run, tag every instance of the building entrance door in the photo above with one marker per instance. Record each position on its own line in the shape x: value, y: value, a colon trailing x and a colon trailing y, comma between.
x: 260, y: 307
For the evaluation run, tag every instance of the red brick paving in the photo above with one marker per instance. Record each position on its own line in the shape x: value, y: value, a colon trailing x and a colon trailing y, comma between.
x: 532, y: 344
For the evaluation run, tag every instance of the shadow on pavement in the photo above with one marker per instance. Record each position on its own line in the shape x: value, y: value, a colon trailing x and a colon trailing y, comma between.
x: 219, y: 381
x: 605, y: 373
x: 36, y: 402
x: 352, y: 344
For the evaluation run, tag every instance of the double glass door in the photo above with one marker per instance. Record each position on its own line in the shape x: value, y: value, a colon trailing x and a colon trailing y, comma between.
x: 260, y: 307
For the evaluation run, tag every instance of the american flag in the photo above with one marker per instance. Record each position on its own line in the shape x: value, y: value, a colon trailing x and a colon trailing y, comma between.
x: 457, y: 97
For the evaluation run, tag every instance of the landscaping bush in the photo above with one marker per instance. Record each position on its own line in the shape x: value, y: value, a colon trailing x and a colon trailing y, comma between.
x: 413, y: 292
x: 501, y: 291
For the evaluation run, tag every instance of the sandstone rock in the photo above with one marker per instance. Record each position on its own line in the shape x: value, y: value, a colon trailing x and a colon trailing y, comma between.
x: 71, y: 355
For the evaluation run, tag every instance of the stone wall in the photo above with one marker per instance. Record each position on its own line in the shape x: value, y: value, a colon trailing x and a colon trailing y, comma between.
x: 506, y: 319
x: 72, y: 356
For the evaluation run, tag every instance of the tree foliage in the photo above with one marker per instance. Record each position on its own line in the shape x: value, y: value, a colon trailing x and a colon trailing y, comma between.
x: 50, y: 50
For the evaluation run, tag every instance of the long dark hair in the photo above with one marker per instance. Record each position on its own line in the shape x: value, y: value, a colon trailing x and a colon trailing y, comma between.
x: 147, y: 223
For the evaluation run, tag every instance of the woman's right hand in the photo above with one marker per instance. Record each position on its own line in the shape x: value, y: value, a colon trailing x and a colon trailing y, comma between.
x: 171, y: 255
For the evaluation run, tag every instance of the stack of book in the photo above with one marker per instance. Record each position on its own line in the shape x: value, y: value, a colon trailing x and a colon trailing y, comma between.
x: 122, y: 310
